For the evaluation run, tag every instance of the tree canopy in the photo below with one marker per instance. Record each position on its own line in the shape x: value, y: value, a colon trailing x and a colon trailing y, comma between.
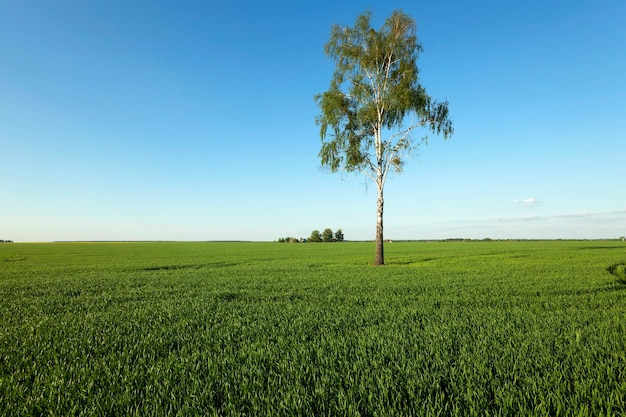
x: 316, y: 236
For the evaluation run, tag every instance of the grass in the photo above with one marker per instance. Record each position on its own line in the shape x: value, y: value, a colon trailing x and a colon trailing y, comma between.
x: 463, y: 328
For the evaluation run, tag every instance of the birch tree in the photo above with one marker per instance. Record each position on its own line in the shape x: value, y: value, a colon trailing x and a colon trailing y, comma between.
x: 375, y: 103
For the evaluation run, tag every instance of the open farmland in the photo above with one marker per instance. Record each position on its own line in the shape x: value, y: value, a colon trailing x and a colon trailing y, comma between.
x: 474, y: 328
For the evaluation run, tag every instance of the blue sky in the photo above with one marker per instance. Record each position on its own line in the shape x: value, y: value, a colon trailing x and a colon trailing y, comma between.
x: 194, y: 120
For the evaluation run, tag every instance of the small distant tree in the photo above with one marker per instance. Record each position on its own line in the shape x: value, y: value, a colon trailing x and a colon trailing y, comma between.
x: 327, y: 235
x: 316, y: 236
x: 339, y: 235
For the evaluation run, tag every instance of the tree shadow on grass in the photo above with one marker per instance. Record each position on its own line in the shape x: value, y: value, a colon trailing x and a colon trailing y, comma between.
x: 410, y: 262
x: 194, y: 266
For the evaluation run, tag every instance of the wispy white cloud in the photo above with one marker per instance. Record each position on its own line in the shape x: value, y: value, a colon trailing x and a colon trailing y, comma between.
x: 583, y: 214
x: 608, y: 214
x: 581, y: 225
x: 530, y: 200
x: 529, y: 217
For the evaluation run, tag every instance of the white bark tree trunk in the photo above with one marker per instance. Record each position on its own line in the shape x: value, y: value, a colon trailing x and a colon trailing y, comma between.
x: 380, y: 253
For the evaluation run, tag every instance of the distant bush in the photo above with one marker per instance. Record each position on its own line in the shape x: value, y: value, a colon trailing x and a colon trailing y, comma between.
x: 290, y: 240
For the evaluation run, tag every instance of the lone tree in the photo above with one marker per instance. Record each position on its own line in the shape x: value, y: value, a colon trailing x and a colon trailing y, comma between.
x: 375, y: 87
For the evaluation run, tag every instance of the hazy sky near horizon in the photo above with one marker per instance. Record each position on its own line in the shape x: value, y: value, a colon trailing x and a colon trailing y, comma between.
x: 194, y: 120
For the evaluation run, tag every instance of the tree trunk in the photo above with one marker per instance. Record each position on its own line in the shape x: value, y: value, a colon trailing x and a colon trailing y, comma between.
x: 380, y: 253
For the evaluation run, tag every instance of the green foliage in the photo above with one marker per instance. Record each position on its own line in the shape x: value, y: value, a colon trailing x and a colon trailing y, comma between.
x: 326, y: 236
x: 450, y: 328
x: 375, y: 86
x: 289, y: 240
x: 339, y: 235
x: 316, y: 236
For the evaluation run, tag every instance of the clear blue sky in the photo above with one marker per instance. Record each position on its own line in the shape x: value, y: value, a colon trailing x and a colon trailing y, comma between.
x: 194, y: 120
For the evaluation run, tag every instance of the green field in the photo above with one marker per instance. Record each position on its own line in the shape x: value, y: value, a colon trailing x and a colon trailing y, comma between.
x: 464, y: 328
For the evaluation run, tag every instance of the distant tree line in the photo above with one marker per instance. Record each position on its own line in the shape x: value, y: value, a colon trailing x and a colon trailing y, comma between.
x: 6, y: 241
x: 290, y: 240
x: 326, y: 236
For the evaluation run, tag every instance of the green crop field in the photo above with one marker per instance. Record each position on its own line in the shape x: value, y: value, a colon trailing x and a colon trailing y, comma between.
x: 447, y: 328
